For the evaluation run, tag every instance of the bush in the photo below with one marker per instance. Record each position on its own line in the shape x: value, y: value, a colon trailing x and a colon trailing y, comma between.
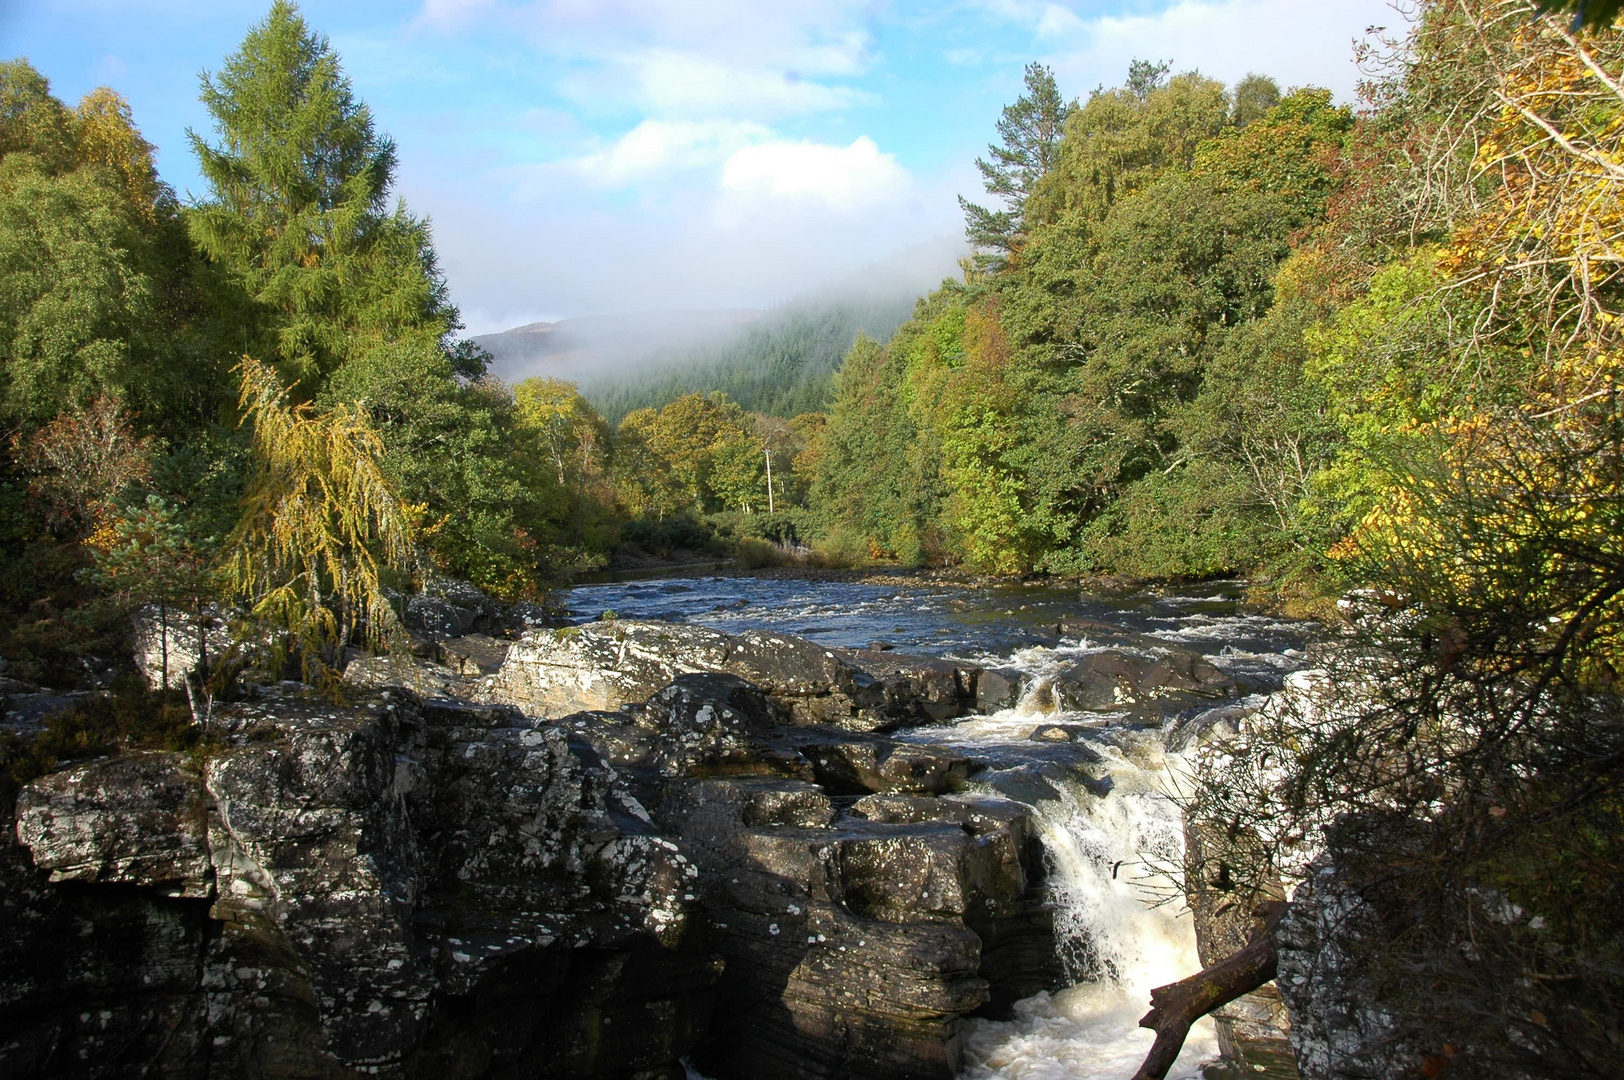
x: 752, y: 554
x: 129, y: 717
x: 662, y: 537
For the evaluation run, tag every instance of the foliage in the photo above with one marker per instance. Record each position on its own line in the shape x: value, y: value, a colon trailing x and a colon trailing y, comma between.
x: 1091, y: 407
x: 318, y: 269
x: 1030, y: 131
x: 94, y: 277
x: 322, y: 528
x: 781, y: 365
x: 1462, y: 752
x: 82, y: 463
x: 698, y: 454
x: 128, y: 717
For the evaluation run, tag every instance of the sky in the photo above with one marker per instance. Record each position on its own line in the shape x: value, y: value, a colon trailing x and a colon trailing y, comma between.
x: 582, y: 157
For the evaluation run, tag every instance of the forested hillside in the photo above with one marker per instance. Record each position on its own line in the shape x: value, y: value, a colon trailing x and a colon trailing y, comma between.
x: 782, y: 365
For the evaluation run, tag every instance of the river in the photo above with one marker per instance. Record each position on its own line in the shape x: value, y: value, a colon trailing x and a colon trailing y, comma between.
x: 1119, y: 918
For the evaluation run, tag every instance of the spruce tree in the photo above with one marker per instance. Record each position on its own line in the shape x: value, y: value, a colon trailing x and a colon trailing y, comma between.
x: 1030, y: 129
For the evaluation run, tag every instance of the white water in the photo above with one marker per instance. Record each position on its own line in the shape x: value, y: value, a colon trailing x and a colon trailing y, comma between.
x: 1119, y: 918
x: 1104, y: 850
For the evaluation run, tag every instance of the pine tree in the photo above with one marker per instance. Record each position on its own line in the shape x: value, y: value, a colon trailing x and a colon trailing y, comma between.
x: 1031, y: 130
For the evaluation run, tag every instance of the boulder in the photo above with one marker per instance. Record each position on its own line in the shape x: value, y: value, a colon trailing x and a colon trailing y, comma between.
x: 1118, y: 679
x: 611, y: 663
x: 855, y: 943
x: 134, y: 820
x: 998, y: 689
x: 178, y: 641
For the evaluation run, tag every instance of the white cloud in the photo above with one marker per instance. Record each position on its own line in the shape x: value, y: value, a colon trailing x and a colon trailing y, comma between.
x: 683, y: 84
x: 687, y: 58
x: 1296, y: 43
x: 843, y: 178
x: 443, y: 14
x: 659, y: 146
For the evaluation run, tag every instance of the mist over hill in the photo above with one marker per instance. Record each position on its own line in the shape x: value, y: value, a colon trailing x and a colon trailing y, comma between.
x: 779, y: 362
x: 587, y: 347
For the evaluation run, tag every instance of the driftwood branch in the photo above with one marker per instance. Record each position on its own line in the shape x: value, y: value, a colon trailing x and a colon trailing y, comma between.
x: 1175, y: 1007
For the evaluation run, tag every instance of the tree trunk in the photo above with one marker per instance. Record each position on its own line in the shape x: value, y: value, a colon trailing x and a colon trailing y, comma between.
x: 163, y: 645
x: 1175, y: 1007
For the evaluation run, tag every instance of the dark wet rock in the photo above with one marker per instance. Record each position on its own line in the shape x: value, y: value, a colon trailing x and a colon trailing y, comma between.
x: 856, y: 945
x: 998, y: 688
x: 1253, y: 1030
x: 608, y: 664
x: 850, y: 766
x: 1203, y: 724
x: 1084, y: 628
x: 1116, y: 679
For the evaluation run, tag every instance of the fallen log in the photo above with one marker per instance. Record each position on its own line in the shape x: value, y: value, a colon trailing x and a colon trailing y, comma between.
x: 1173, y: 1008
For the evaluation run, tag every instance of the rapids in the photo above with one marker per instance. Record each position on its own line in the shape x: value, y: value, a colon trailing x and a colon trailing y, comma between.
x: 1112, y: 830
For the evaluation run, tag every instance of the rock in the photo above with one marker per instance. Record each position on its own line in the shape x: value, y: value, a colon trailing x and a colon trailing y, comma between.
x: 425, y: 678
x: 604, y: 665
x: 406, y: 886
x: 1086, y: 629
x: 189, y: 638
x: 849, y: 941
x: 136, y: 820
x: 998, y: 688
x: 1116, y: 679
x: 1338, y: 1029
x: 379, y: 886
x: 1253, y: 1030
x: 437, y: 618
x: 849, y: 766
x: 1199, y: 725
x: 474, y: 655
x: 1056, y: 733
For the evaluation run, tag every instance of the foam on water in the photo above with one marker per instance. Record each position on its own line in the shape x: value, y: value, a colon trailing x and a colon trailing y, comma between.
x: 1118, y: 916
x: 1105, y: 852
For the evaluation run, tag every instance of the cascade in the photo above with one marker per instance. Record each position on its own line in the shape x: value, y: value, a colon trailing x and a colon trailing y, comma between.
x: 1119, y: 917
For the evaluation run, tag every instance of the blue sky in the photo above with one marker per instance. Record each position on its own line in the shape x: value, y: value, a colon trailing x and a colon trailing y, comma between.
x: 587, y: 156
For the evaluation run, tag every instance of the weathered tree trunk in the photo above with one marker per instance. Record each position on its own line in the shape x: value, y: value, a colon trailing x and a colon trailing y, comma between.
x: 1173, y: 1008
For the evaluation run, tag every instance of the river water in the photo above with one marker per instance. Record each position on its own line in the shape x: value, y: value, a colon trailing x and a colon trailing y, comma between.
x: 1119, y: 917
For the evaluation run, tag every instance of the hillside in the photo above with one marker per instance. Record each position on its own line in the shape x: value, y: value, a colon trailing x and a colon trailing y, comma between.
x: 781, y: 365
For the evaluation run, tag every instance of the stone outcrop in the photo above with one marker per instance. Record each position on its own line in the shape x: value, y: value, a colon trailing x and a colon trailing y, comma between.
x: 608, y: 664
x: 727, y: 855
x: 1116, y: 679
x: 173, y: 642
x: 388, y: 888
x: 1339, y: 1030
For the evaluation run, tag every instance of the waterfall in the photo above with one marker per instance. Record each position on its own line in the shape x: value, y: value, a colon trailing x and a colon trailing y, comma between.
x: 1120, y: 922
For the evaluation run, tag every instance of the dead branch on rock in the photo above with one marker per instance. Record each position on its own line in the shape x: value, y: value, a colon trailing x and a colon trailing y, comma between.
x: 1173, y: 1008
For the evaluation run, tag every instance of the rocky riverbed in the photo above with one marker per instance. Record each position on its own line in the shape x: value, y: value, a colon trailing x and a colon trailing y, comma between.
x: 834, y: 830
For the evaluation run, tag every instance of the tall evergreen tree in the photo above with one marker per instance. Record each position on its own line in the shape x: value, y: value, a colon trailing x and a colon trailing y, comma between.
x: 1030, y: 129
x: 298, y: 216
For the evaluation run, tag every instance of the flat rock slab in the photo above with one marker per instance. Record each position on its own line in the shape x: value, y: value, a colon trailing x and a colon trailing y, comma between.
x: 613, y: 663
